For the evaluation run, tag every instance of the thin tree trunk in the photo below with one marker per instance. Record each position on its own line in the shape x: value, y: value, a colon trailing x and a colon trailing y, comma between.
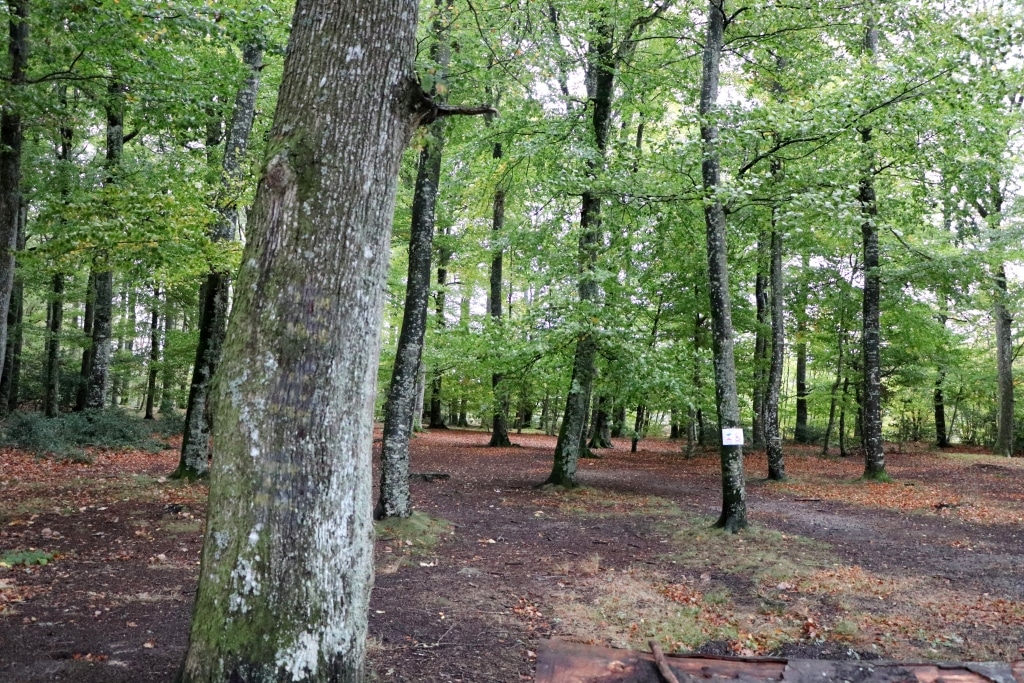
x: 843, y: 452
x: 167, y: 403
x: 11, y: 138
x: 761, y: 338
x: 55, y: 321
x: 800, y: 434
x: 499, y: 424
x: 734, y: 505
x: 195, y: 442
x: 601, y: 81
x: 154, y: 353
x: 638, y: 427
x: 287, y: 562
x: 103, y: 306
x: 871, y: 406
x: 772, y: 432
x: 87, y: 324
x: 1004, y: 365
x: 601, y: 428
x: 835, y: 388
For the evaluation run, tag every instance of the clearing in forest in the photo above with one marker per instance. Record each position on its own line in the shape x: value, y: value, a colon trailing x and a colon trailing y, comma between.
x: 100, y: 561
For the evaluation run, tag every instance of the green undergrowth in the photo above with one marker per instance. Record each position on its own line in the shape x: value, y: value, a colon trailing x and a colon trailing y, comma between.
x: 67, y: 436
x: 13, y: 558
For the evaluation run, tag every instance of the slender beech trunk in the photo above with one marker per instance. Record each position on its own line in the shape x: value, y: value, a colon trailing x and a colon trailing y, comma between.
x: 401, y: 399
x: 195, y: 442
x: 154, y: 354
x: 601, y: 85
x: 1004, y: 366
x: 835, y: 387
x: 871, y: 405
x: 55, y: 321
x: 843, y: 452
x: 287, y: 562
x: 800, y: 434
x: 772, y: 432
x: 499, y: 425
x: 619, y: 420
x: 638, y: 427
x: 939, y: 401
x: 734, y: 505
x: 167, y: 370
x: 87, y: 322
x: 761, y: 338
x: 103, y: 305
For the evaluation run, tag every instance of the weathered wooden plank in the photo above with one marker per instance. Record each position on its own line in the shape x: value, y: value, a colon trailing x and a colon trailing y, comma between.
x: 564, y: 662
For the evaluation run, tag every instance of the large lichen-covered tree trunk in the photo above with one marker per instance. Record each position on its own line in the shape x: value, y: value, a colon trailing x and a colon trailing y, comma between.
x: 195, y: 443
x: 11, y: 138
x: 287, y: 559
x: 734, y: 506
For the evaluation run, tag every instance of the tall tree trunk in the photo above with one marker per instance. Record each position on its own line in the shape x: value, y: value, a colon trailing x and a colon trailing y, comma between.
x: 195, y: 442
x: 167, y: 403
x: 1004, y: 365
x: 843, y: 452
x: 600, y: 89
x: 401, y: 398
x: 103, y: 306
x: 800, y: 434
x: 154, y: 353
x: 761, y: 338
x: 11, y: 138
x: 10, y: 383
x: 54, y: 324
x: 601, y: 433
x: 638, y: 427
x: 772, y: 432
x: 499, y: 425
x: 871, y: 406
x: 437, y: 420
x: 835, y: 388
x: 734, y: 505
x: 618, y: 421
x: 87, y: 324
x: 288, y: 556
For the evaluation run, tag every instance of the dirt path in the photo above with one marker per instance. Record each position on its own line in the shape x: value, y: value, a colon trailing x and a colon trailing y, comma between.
x: 926, y: 567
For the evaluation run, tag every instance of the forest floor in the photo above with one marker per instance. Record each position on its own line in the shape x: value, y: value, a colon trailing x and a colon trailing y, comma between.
x: 926, y: 567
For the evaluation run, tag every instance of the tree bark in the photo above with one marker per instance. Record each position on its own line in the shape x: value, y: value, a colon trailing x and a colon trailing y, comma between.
x: 11, y: 138
x: 154, y: 354
x: 772, y: 432
x: 734, y: 505
x: 601, y: 86
x: 871, y: 405
x: 103, y: 304
x: 288, y: 559
x: 87, y: 323
x: 167, y: 403
x: 10, y: 383
x: 499, y: 425
x: 800, y: 434
x: 195, y: 442
x: 1004, y: 366
x: 54, y: 323
x: 394, y: 498
x: 761, y: 338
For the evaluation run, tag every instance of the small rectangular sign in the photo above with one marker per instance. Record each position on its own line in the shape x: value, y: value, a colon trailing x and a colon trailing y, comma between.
x: 732, y: 437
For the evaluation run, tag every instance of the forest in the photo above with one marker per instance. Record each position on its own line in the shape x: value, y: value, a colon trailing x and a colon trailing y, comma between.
x: 766, y: 227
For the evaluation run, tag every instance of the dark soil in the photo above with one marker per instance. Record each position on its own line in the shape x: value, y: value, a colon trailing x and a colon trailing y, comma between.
x: 845, y: 577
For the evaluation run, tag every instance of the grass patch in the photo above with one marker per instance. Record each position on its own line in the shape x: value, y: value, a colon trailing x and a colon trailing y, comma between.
x: 602, y: 503
x: 416, y: 535
x: 13, y: 558
x: 762, y: 554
